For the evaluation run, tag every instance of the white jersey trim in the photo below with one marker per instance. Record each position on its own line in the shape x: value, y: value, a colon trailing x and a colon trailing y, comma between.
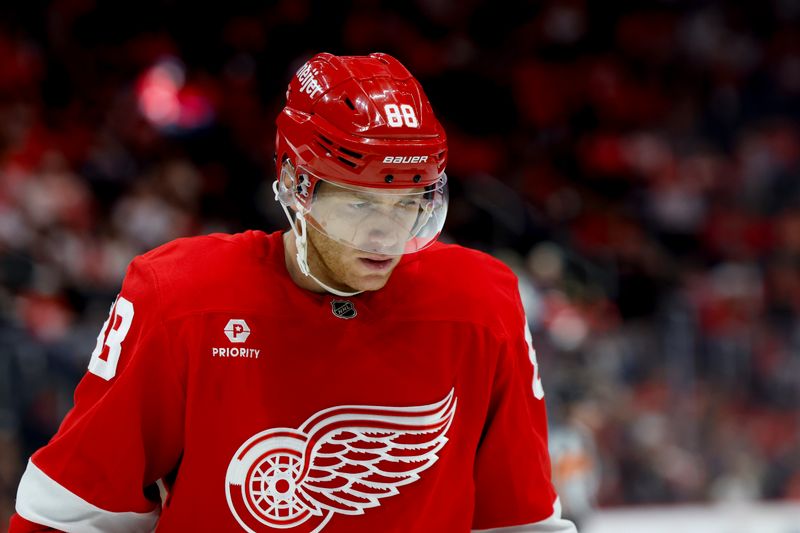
x: 552, y: 524
x: 42, y: 500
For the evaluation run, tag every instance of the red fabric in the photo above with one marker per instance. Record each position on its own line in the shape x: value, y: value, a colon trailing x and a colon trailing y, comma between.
x: 449, y: 318
x: 20, y: 525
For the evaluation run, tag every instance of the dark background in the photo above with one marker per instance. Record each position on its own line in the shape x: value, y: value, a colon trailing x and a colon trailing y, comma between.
x: 636, y: 163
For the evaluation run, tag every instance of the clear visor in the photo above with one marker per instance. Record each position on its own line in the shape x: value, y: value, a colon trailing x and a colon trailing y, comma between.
x: 383, y: 222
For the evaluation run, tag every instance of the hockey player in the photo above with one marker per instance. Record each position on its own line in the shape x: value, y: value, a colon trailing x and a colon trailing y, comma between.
x: 348, y: 375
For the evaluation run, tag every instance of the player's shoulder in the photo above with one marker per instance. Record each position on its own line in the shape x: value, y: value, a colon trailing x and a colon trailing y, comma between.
x: 467, y: 284
x: 224, y: 247
x: 455, y: 260
x: 195, y: 269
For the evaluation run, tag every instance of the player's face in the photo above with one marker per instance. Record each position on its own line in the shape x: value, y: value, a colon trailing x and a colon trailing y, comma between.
x: 346, y: 268
x: 378, y: 223
x: 364, y: 234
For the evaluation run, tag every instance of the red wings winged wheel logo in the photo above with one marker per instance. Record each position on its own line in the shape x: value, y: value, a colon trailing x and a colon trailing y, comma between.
x: 341, y: 460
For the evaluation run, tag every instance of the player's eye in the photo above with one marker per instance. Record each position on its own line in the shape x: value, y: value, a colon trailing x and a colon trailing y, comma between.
x: 408, y: 204
x: 358, y: 206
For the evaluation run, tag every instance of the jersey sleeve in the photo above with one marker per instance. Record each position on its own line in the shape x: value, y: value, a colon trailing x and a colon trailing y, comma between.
x: 513, y: 489
x: 99, y: 472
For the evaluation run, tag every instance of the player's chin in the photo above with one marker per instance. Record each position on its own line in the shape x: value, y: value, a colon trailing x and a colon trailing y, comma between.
x: 369, y: 284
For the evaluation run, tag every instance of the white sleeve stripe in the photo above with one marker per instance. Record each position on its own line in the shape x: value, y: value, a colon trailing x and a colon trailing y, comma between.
x: 42, y: 500
x: 552, y: 524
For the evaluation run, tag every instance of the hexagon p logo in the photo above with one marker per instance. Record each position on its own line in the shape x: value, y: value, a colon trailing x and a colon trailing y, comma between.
x: 237, y: 330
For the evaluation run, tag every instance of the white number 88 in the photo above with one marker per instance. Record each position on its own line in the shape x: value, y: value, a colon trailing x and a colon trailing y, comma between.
x: 399, y: 115
x: 107, y: 368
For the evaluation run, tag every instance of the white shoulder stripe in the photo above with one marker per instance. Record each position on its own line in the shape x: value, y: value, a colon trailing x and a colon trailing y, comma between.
x: 42, y: 500
x: 552, y: 524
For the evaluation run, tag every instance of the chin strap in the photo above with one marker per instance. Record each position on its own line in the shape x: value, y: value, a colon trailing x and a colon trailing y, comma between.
x: 302, y: 244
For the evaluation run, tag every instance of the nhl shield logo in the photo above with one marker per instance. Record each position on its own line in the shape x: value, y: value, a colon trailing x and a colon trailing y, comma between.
x: 343, y: 309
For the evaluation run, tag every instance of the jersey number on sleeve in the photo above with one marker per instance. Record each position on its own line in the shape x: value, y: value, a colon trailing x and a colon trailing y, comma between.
x: 111, y: 334
x: 538, y: 390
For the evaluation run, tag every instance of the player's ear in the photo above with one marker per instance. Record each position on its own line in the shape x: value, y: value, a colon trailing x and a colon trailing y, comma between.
x: 286, y: 185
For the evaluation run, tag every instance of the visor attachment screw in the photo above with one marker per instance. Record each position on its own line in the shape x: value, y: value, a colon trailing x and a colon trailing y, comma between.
x: 389, y: 178
x: 416, y: 178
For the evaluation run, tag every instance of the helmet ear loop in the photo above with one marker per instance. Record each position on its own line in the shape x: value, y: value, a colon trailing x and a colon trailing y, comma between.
x: 285, y: 186
x: 424, y: 215
x: 284, y: 189
x: 430, y: 198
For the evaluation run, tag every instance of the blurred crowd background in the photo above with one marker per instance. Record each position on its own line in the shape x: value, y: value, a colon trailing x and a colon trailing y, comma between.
x: 636, y: 163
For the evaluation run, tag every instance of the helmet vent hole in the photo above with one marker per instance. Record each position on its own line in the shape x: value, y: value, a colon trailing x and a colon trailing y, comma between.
x: 326, y: 148
x: 389, y: 178
x: 349, y: 103
x: 416, y: 178
x: 347, y: 162
x: 325, y: 140
x: 350, y: 153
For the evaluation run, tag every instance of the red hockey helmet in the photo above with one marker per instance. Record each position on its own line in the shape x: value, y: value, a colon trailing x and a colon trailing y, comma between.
x: 364, y: 124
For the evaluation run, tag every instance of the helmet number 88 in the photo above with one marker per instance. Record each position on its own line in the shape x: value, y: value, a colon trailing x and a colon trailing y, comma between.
x: 401, y: 115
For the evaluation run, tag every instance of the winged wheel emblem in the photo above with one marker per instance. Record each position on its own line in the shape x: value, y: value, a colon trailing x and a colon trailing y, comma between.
x: 343, y: 460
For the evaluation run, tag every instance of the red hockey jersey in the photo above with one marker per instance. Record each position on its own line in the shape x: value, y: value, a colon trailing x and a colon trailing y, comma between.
x: 222, y: 397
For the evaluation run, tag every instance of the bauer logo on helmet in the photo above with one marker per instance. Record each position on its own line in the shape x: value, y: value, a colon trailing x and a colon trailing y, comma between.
x: 406, y: 159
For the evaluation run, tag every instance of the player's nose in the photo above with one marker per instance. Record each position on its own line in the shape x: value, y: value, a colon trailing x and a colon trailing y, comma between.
x: 383, y: 237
